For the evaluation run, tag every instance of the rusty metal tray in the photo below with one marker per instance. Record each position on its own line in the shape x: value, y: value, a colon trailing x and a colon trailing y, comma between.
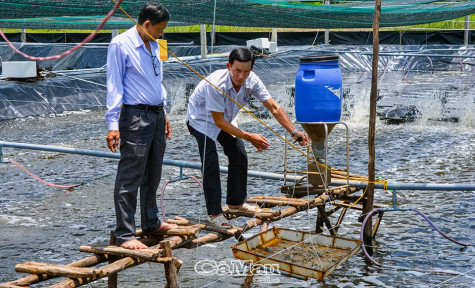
x: 297, y: 252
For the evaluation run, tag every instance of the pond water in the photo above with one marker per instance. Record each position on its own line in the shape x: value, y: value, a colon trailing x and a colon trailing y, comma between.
x: 45, y: 224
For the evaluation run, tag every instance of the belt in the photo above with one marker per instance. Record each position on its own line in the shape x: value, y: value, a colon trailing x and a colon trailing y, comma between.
x: 145, y: 107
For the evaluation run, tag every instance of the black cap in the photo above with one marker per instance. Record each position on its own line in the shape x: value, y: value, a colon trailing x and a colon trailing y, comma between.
x: 318, y: 58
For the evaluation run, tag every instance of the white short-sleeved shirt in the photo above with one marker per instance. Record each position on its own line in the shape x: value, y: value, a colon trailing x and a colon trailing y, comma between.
x: 206, y: 98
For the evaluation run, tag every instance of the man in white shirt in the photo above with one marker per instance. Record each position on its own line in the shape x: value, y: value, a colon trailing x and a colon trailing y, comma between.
x: 211, y: 116
x: 136, y: 116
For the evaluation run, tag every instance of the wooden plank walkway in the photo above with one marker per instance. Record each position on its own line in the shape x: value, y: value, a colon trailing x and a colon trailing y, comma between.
x: 190, y: 234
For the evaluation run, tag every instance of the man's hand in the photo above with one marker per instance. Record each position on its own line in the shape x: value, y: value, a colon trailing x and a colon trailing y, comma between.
x: 302, y: 138
x: 259, y: 141
x: 168, y: 129
x: 113, y: 140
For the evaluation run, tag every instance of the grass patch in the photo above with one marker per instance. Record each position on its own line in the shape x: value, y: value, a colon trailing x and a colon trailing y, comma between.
x: 458, y: 23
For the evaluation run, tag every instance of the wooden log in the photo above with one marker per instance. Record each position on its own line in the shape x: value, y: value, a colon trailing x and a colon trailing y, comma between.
x: 265, y: 213
x: 178, y: 232
x: 356, y: 206
x: 58, y: 270
x: 284, y: 213
x: 204, y: 226
x: 377, y: 223
x: 170, y: 268
x: 275, y: 202
x: 368, y: 207
x: 179, y: 221
x: 248, y: 280
x: 5, y: 285
x: 145, y: 254
x: 112, y: 278
x: 345, y: 191
x: 285, y: 197
x: 116, y: 267
x: 321, y: 210
x: 87, y: 262
x: 206, y: 239
x: 340, y: 219
x: 177, y: 263
x: 265, y: 226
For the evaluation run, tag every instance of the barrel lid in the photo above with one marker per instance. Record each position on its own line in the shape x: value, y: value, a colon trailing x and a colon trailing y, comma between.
x: 318, y: 58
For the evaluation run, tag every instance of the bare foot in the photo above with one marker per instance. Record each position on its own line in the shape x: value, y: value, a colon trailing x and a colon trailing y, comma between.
x: 167, y: 226
x: 134, y: 244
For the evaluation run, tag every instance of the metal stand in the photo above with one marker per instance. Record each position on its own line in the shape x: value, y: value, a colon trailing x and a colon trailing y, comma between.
x: 325, y: 124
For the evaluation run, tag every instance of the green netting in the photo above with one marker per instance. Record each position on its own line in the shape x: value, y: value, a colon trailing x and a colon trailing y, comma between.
x: 87, y: 14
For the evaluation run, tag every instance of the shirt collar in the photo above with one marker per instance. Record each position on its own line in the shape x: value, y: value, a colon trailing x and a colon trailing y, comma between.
x: 229, y: 83
x: 137, y: 40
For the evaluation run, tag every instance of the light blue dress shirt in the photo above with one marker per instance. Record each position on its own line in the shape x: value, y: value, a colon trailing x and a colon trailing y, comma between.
x: 132, y: 77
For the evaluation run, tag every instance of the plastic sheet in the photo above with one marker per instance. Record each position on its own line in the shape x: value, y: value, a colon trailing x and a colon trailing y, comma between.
x: 408, y: 75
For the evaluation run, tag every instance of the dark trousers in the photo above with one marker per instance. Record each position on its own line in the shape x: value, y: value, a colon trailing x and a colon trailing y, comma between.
x: 235, y: 150
x: 142, y: 145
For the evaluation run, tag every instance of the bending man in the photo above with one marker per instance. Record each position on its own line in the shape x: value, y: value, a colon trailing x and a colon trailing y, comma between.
x: 211, y: 117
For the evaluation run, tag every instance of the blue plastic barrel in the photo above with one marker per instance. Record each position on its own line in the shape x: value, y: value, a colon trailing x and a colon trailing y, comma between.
x: 318, y: 89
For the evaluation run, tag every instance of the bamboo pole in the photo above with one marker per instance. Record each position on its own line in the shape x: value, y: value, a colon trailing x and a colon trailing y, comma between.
x: 145, y: 254
x: 58, y: 270
x: 368, y: 207
x: 10, y: 286
x: 33, y: 279
x: 116, y: 267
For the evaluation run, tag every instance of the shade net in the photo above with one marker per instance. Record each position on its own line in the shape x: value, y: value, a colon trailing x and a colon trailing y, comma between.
x: 87, y: 14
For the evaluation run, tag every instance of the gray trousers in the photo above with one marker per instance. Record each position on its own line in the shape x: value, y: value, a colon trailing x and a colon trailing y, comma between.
x: 142, y: 145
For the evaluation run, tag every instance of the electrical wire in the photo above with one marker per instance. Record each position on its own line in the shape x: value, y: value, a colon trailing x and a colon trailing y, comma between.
x: 242, y: 107
x: 86, y: 40
x: 70, y: 188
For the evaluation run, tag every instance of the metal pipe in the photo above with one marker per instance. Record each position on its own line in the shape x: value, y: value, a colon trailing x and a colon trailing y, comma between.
x: 416, y: 54
x: 250, y: 173
x: 170, y: 162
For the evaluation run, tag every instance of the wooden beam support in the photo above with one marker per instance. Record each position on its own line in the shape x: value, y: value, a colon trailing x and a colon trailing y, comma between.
x: 33, y: 279
x: 377, y: 223
x: 321, y: 210
x: 170, y: 268
x: 368, y: 207
x: 58, y: 270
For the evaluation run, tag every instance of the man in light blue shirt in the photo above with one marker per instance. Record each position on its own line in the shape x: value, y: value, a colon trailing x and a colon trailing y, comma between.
x: 135, y: 100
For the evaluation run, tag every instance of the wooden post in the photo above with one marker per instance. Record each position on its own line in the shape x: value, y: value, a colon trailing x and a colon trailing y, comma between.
x: 204, y: 49
x: 273, y: 37
x: 23, y: 35
x: 327, y: 31
x: 368, y: 206
x: 377, y: 223
x: 170, y: 268
x: 466, y: 32
x: 112, y: 278
x: 323, y: 213
x: 340, y: 219
x: 115, y: 32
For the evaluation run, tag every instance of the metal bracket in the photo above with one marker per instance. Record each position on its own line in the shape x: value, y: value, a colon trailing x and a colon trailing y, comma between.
x: 181, y: 177
x: 1, y: 155
x: 394, y: 199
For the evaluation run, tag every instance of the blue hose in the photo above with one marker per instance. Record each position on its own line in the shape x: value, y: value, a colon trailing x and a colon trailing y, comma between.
x: 411, y: 209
